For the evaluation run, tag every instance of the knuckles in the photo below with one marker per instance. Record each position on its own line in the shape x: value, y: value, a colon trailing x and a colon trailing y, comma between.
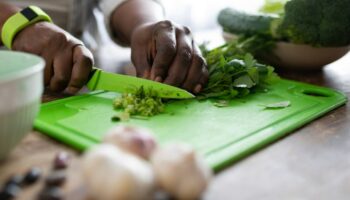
x: 199, y: 60
x: 165, y: 24
x: 59, y: 40
x: 167, y: 49
x: 62, y: 81
x: 187, y: 30
x: 87, y: 62
x: 185, y: 55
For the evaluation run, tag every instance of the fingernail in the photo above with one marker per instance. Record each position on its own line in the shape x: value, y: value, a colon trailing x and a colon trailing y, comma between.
x: 198, y: 88
x: 71, y: 90
x: 158, y: 79
x: 146, y: 75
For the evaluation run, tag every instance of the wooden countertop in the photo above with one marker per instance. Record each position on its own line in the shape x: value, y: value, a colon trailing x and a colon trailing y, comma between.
x: 313, y: 162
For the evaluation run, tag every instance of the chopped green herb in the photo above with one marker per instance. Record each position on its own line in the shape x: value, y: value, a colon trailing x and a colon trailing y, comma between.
x: 221, y: 103
x: 115, y: 118
x: 277, y: 105
x: 143, y: 102
x: 139, y: 117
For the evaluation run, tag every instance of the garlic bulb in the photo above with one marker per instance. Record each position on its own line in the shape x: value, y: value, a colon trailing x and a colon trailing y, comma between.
x: 180, y: 171
x: 136, y: 140
x: 110, y: 173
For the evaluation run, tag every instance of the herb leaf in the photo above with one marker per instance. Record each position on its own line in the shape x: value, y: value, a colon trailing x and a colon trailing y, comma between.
x: 221, y: 103
x: 277, y: 105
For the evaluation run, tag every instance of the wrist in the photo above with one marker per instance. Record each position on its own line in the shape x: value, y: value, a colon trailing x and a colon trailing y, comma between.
x: 19, y: 21
x: 131, y: 15
x: 6, y: 11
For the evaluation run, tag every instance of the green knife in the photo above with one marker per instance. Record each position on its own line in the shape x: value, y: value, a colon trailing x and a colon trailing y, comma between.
x: 101, y: 80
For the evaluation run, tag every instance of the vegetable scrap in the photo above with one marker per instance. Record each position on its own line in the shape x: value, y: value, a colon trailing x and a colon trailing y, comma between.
x: 277, y: 105
x: 52, y: 190
x: 122, y: 116
x: 17, y: 182
x: 61, y: 160
x: 56, y: 178
x: 221, y: 103
x: 32, y: 176
x: 50, y: 193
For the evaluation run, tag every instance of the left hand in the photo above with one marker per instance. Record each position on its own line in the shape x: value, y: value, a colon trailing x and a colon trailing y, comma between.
x: 166, y: 52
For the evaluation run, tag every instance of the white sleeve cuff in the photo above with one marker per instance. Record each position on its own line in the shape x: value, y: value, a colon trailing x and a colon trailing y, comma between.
x: 107, y: 8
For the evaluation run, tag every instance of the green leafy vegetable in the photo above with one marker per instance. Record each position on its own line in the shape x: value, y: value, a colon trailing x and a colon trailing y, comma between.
x: 143, y: 102
x: 233, y: 71
x: 277, y: 105
x: 317, y: 22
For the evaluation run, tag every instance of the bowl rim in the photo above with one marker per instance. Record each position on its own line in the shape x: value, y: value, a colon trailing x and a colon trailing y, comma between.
x: 226, y: 35
x: 25, y: 72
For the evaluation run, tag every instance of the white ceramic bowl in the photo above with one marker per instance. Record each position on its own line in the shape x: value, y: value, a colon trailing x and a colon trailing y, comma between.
x: 21, y: 87
x: 299, y: 56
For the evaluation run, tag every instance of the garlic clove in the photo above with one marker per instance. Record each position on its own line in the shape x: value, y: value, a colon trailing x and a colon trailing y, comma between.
x: 180, y: 171
x: 135, y: 140
x: 110, y: 173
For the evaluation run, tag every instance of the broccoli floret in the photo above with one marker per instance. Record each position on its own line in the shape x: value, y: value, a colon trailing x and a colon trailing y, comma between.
x: 320, y: 23
x: 316, y: 22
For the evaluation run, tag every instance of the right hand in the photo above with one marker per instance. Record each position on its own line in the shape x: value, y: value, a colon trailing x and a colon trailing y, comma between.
x: 166, y: 52
x: 68, y: 61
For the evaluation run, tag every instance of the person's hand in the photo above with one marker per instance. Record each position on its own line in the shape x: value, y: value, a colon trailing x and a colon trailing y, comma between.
x: 167, y: 53
x: 68, y: 62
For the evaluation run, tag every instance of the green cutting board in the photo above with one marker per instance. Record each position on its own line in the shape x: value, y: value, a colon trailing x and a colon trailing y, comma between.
x: 223, y: 135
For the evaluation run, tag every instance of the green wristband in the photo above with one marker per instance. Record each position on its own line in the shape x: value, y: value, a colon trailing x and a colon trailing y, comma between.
x: 19, y: 21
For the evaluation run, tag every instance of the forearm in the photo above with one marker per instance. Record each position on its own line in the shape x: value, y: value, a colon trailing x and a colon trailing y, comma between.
x: 6, y: 10
x: 131, y: 14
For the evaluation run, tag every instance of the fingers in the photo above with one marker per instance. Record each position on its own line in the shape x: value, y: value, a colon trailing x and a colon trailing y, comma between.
x: 48, y: 71
x: 183, y: 59
x: 165, y: 39
x: 197, y: 76
x: 71, y: 67
x: 67, y: 66
x: 202, y: 81
x: 62, y: 70
x: 138, y: 58
x: 82, y: 66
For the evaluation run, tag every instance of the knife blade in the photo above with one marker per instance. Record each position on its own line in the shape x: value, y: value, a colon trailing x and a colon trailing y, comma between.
x: 101, y: 80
